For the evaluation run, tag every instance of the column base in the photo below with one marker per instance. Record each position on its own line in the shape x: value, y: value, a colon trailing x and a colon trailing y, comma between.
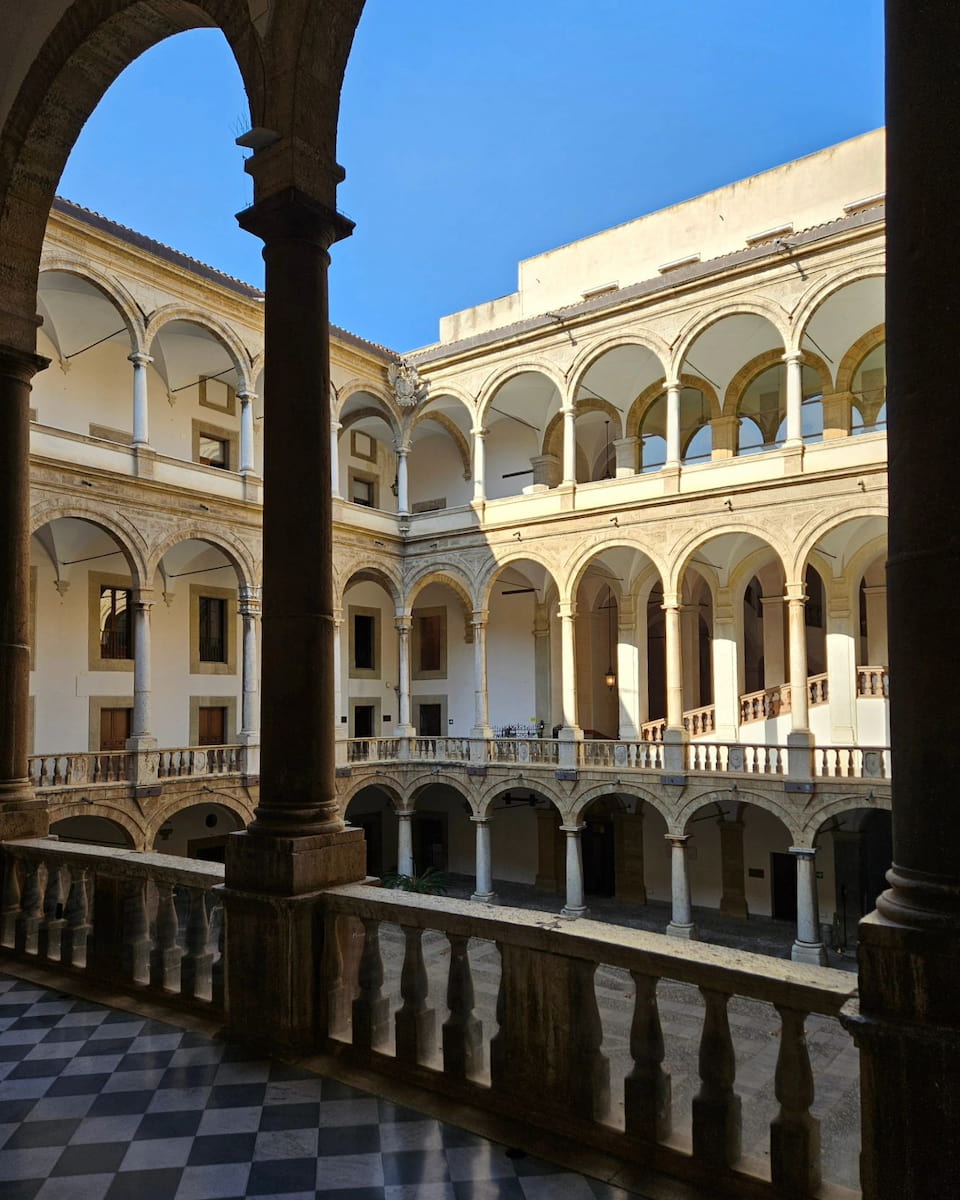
x: 678, y: 929
x: 573, y: 913
x: 293, y: 866
x: 485, y: 897
x: 675, y: 751
x: 800, y: 755
x: 144, y: 457
x: 809, y: 952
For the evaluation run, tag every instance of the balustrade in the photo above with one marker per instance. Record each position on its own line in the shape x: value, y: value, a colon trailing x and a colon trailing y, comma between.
x: 736, y: 757
x: 200, y: 760
x: 636, y: 755
x: 764, y: 705
x: 873, y: 682
x: 524, y: 750
x: 440, y: 749
x: 157, y: 917
x: 363, y: 750
x: 817, y: 690
x: 699, y: 721
x: 852, y: 762
x: 547, y: 1040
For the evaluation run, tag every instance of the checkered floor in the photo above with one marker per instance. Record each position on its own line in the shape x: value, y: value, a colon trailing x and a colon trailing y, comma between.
x: 99, y: 1104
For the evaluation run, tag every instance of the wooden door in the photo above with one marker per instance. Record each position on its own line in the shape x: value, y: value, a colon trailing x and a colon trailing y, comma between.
x: 212, y: 726
x: 430, y: 716
x: 114, y: 728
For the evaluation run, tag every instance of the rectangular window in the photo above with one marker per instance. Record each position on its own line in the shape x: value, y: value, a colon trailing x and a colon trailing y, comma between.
x: 213, y: 451
x: 364, y: 647
x: 430, y: 642
x: 116, y: 629
x: 212, y: 726
x: 362, y: 492
x: 213, y: 629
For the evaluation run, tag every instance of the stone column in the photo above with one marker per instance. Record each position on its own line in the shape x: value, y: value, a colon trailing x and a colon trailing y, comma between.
x: 569, y: 445
x: 246, y: 431
x: 726, y: 437
x: 773, y: 665
x: 405, y: 864
x: 403, y: 488
x: 574, y: 906
x: 546, y: 470
x: 479, y: 466
x: 21, y: 814
x: 690, y: 654
x: 681, y: 916
x: 626, y: 452
x: 250, y: 709
x: 341, y: 730
x: 541, y: 666
x: 733, y: 898
x: 674, y: 736
x: 876, y: 602
x: 404, y: 728
x: 484, y: 865
x: 808, y: 947
x: 481, y: 703
x: 724, y: 651
x: 842, y: 666
x: 628, y: 668
x: 297, y: 843
x: 794, y: 361
x: 570, y: 729
x: 141, y: 724
x: 907, y: 1017
x: 335, y: 428
x: 141, y: 415
x: 799, y: 739
x: 673, y: 424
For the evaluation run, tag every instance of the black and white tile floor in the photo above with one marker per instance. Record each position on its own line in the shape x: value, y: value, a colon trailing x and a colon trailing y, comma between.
x: 100, y: 1104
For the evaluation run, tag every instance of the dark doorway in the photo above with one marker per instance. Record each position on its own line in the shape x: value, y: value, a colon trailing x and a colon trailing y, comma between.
x: 597, y: 844
x: 429, y: 843
x: 783, y: 877
x: 212, y: 727
x: 372, y: 826
x: 114, y: 728
x: 363, y: 720
x: 428, y: 720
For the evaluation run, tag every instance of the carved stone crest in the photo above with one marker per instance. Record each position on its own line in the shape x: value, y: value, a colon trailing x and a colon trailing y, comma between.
x: 408, y: 388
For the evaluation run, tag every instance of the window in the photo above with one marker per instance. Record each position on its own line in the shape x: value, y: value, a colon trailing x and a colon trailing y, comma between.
x: 429, y: 648
x: 212, y: 725
x: 213, y: 629
x: 363, y: 650
x: 363, y: 491
x: 213, y: 452
x: 116, y: 630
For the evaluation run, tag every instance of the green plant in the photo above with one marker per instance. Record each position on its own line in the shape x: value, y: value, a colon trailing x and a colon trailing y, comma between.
x: 432, y: 882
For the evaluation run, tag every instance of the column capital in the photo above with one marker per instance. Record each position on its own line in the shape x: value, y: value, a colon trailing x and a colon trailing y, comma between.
x: 335, y: 425
x: 570, y: 830
x: 140, y: 359
x: 402, y: 623
x: 671, y: 600
x: 803, y: 851
x: 485, y: 820
x: 672, y: 385
x: 245, y: 396
x: 478, y: 431
x: 796, y: 593
x: 405, y: 814
x: 292, y: 214
x: 678, y: 839
x: 567, y: 609
x: 402, y: 448
x: 794, y: 356
x: 143, y: 597
x: 480, y: 616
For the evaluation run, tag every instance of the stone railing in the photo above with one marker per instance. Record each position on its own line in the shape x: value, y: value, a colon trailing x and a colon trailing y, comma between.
x: 200, y: 760
x: 158, y: 920
x: 852, y: 762
x: 523, y: 750
x: 873, y: 682
x: 80, y: 770
x: 761, y: 706
x: 440, y: 749
x: 699, y: 721
x: 639, y: 755
x: 563, y: 1060
x: 373, y: 749
x: 653, y: 731
x: 817, y: 691
x: 736, y: 758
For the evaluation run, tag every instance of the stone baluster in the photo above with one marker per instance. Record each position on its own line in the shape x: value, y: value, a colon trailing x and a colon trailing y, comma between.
x: 371, y: 1007
x: 136, y: 933
x: 716, y: 1107
x: 647, y: 1089
x: 50, y: 935
x: 78, y: 928
x: 11, y: 902
x: 794, y: 1133
x: 31, y: 908
x: 165, y: 955
x: 592, y: 1099
x: 334, y: 994
x: 462, y: 1031
x: 415, y: 1022
x: 196, y: 966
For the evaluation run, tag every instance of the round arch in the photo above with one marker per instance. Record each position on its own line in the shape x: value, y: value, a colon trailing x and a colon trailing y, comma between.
x: 649, y: 395
x: 116, y: 814
x: 415, y: 788
x: 505, y: 374
x: 228, y: 338
x: 694, y: 804
x: 696, y: 540
x: 240, y: 808
x: 733, y: 396
x: 835, y: 806
x: 371, y: 572
x: 819, y: 526
x: 856, y: 354
x: 815, y: 297
x: 755, y: 306
x: 582, y: 558
x: 483, y: 803
x: 488, y: 577
x: 112, y: 290
x: 448, y: 577
x: 623, y: 793
x: 348, y: 790
x: 237, y: 553
x: 591, y: 355
x: 125, y: 534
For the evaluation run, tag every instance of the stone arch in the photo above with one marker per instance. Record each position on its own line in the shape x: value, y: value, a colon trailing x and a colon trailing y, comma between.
x: 554, y: 430
x: 751, y: 565
x: 116, y: 524
x: 116, y: 812
x: 814, y: 298
x: 237, y: 552
x: 348, y: 789
x: 579, y: 563
x: 763, y: 362
x: 449, y: 427
x: 241, y: 808
x: 693, y: 804
x: 228, y: 338
x: 112, y: 289
x: 387, y: 415
x: 638, y: 410
x: 484, y: 802
x: 498, y: 379
x: 630, y: 791
x: 488, y: 577
x: 380, y: 573
x: 836, y: 805
x: 448, y: 576
x: 819, y: 526
x: 455, y: 783
x: 756, y: 306
x: 591, y: 355
x: 857, y: 353
x: 696, y: 539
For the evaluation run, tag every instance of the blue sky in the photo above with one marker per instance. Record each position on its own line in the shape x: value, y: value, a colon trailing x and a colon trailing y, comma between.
x: 475, y: 135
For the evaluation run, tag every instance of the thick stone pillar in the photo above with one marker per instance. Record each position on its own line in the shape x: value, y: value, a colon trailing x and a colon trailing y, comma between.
x: 673, y: 424
x: 907, y: 1021
x: 335, y: 428
x: 681, y: 913
x: 405, y: 864
x: 404, y: 728
x: 842, y: 632
x: 570, y: 730
x: 774, y: 670
x: 479, y: 466
x: 733, y: 898
x: 484, y: 863
x: 250, y: 708
x: 141, y: 413
x: 574, y: 906
x: 794, y: 361
x: 799, y: 739
x: 569, y: 445
x: 876, y: 602
x: 626, y: 460
x: 674, y: 737
x: 808, y: 946
x: 403, y: 486
x: 297, y: 843
x: 246, y: 431
x: 628, y: 668
x: 725, y: 659
x: 481, y: 700
x: 21, y: 814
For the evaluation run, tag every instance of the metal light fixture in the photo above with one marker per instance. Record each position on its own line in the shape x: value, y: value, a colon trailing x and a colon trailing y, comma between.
x: 610, y: 679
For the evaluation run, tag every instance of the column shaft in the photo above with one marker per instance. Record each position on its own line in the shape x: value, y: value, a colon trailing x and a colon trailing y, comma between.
x: 403, y: 488
x: 674, y: 665
x: 335, y: 428
x: 405, y: 864
x: 142, y: 720
x: 673, y: 424
x: 681, y: 916
x: 574, y: 906
x: 249, y: 612
x: 808, y: 947
x: 568, y: 652
x: 799, y: 699
x: 246, y: 432
x: 141, y: 416
x: 404, y: 728
x: 569, y: 445
x: 479, y: 466
x: 794, y: 397
x: 481, y: 704
x: 484, y: 864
